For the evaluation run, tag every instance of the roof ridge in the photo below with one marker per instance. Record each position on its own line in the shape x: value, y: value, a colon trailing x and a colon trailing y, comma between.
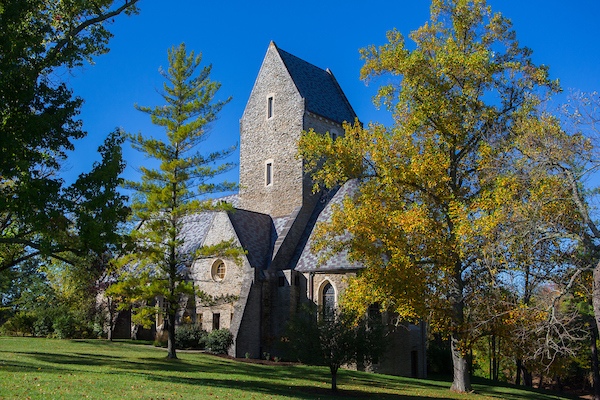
x: 339, y: 88
x: 318, y: 87
x: 297, y: 58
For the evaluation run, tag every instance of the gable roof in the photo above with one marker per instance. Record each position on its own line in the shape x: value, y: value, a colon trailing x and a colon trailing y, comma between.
x: 304, y: 260
x: 254, y: 230
x: 319, y: 88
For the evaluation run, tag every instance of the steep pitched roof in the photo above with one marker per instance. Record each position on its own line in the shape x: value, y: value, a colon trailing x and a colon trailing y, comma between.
x: 319, y: 88
x: 254, y: 230
x: 193, y: 231
x: 304, y: 260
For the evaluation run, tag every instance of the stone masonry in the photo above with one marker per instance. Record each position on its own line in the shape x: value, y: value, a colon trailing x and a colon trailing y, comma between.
x: 274, y: 219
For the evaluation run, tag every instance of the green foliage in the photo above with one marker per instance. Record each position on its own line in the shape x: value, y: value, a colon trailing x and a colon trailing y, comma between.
x: 38, y: 126
x: 56, y: 321
x: 334, y: 339
x: 219, y: 341
x: 24, y: 288
x: 43, y: 326
x: 21, y: 323
x: 425, y: 209
x: 64, y: 326
x: 156, y: 266
x: 190, y: 336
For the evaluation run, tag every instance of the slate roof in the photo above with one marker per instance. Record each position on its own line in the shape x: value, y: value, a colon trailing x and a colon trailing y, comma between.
x: 196, y: 226
x: 279, y: 223
x: 254, y: 231
x: 319, y: 88
x: 233, y: 199
x: 194, y: 230
x: 304, y: 260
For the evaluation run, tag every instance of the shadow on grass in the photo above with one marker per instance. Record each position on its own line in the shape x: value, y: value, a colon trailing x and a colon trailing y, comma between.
x: 257, y: 379
x: 492, y: 388
x: 209, y: 371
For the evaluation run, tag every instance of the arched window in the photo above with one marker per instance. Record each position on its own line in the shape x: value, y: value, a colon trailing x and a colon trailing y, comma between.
x: 328, y: 300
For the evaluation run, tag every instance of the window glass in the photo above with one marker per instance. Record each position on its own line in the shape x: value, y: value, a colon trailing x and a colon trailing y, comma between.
x: 269, y: 174
x: 270, y: 107
x: 328, y: 300
x: 219, y: 270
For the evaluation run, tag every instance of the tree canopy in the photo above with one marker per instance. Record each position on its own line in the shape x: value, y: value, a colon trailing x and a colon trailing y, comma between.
x: 423, y: 208
x: 39, y: 125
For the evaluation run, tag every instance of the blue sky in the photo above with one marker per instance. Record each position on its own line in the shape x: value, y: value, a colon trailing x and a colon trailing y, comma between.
x: 234, y: 35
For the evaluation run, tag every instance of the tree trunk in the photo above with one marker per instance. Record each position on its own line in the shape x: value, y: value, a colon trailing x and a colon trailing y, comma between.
x: 558, y: 384
x: 493, y: 358
x: 461, y: 381
x: 595, y: 370
x: 497, y: 361
x: 113, y: 315
x: 518, y: 363
x: 333, y: 378
x: 171, y: 336
x: 111, y: 323
x: 527, y: 378
x: 596, y: 307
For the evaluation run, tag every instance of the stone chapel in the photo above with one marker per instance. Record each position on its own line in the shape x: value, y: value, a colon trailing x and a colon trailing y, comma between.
x: 274, y: 218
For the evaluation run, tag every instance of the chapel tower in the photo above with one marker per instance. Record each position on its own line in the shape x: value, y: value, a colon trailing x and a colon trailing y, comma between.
x: 289, y: 96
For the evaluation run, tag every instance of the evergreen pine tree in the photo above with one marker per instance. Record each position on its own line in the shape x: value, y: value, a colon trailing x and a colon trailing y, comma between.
x: 165, y: 196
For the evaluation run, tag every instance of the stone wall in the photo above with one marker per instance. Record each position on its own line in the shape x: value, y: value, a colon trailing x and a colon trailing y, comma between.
x: 236, y: 282
x: 406, y: 352
x: 272, y: 139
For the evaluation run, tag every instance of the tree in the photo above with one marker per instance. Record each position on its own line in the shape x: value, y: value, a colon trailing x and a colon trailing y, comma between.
x: 333, y: 339
x: 38, y: 122
x: 422, y: 212
x: 83, y: 221
x: 548, y: 174
x: 164, y: 197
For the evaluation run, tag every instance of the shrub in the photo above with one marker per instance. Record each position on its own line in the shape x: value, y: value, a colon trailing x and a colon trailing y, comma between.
x: 219, y: 341
x: 189, y: 336
x: 19, y: 324
x: 42, y: 327
x: 65, y: 326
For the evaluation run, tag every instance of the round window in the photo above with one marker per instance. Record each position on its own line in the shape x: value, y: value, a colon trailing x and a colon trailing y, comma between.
x: 219, y: 270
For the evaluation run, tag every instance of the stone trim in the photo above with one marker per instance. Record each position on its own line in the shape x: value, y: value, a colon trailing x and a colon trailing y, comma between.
x: 270, y: 112
x: 324, y: 283
x: 322, y: 118
x: 269, y: 172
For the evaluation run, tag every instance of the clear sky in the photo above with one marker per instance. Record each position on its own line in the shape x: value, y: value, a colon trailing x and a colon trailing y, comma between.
x: 234, y: 35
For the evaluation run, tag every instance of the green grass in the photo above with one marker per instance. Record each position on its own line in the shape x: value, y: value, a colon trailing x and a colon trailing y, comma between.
x: 64, y: 369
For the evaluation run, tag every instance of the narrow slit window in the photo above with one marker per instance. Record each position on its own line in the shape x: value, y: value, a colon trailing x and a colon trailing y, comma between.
x: 216, y: 321
x: 269, y: 174
x: 270, y: 107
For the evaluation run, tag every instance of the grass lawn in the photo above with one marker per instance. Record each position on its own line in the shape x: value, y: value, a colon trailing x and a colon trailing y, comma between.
x: 74, y: 369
